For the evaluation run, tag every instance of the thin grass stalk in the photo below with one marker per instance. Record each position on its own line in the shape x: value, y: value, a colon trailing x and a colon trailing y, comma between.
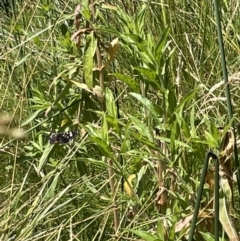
x: 199, y: 196
x: 228, y: 95
x: 216, y: 199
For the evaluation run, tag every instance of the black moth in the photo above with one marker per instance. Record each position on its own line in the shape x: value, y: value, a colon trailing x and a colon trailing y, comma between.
x: 62, y: 137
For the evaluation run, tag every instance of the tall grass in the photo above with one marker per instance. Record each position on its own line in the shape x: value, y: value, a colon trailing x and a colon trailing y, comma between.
x: 141, y: 81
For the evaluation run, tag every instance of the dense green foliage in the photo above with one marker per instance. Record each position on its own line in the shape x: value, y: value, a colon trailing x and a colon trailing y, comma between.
x: 143, y: 83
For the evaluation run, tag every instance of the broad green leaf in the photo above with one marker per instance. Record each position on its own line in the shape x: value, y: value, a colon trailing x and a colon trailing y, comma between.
x: 186, y: 99
x: 185, y: 129
x: 140, y: 45
x: 104, y: 128
x: 214, y: 132
x: 133, y: 84
x: 212, y: 142
x: 125, y: 20
x: 198, y: 148
x: 158, y: 110
x: 37, y: 41
x: 86, y: 10
x: 132, y: 39
x: 207, y: 236
x: 144, y: 101
x: 161, y: 44
x: 45, y: 7
x: 145, y: 56
x: 172, y: 100
x: 150, y: 77
x: 36, y: 146
x: 160, y: 230
x: 167, y: 140
x: 144, y: 235
x: 109, y: 7
x: 126, y: 145
x: 142, y: 128
x: 81, y: 85
x: 179, y: 109
x: 144, y: 140
x: 46, y: 154
x: 109, y: 30
x: 102, y: 145
x: 113, y: 122
x: 173, y: 137
x: 90, y: 49
x: 140, y: 19
x: 110, y: 103
x: 63, y: 93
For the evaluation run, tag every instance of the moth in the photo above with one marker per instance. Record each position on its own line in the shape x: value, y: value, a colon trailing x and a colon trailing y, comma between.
x: 62, y: 137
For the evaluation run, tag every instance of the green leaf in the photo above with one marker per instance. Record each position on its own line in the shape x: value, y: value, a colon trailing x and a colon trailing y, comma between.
x: 22, y: 60
x: 31, y: 118
x: 179, y: 109
x: 207, y: 236
x: 109, y: 7
x: 212, y: 142
x: 103, y: 146
x: 105, y: 29
x: 63, y: 93
x: 81, y: 85
x: 150, y: 77
x: 185, y: 129
x: 92, y: 162
x: 110, y: 103
x: 186, y: 99
x: 146, y: 102
x: 113, y: 122
x: 173, y: 137
x: 172, y: 100
x: 142, y: 128
x: 161, y: 44
x: 144, y: 235
x: 126, y: 145
x: 134, y: 39
x: 45, y: 156
x: 104, y: 128
x: 126, y: 20
x: 215, y: 132
x: 89, y: 184
x: 90, y: 49
x: 140, y: 46
x: 160, y: 230
x: 51, y: 190
x: 140, y: 18
x: 144, y: 140
x: 86, y: 10
x: 132, y: 84
x: 167, y: 140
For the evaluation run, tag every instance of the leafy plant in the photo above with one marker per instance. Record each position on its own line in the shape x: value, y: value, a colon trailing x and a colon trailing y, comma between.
x: 140, y: 82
